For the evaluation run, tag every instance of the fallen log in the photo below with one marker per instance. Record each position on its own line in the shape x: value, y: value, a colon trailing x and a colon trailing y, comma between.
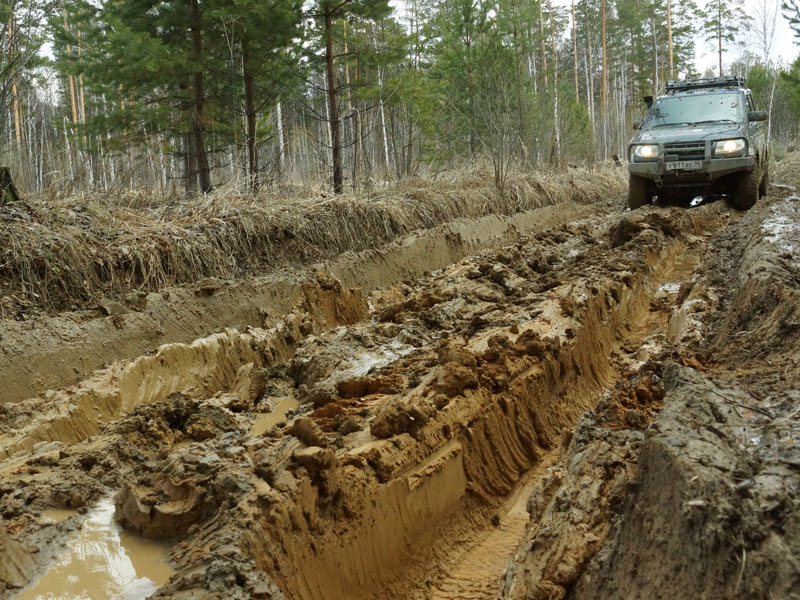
x: 8, y: 193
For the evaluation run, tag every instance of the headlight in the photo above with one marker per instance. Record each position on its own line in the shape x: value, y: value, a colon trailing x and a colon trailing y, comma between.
x: 645, y: 151
x: 729, y: 147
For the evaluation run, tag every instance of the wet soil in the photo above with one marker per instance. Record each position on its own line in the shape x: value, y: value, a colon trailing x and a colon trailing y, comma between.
x: 603, y: 407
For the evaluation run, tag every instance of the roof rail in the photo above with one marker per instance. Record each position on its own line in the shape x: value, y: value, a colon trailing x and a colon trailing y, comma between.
x: 728, y: 81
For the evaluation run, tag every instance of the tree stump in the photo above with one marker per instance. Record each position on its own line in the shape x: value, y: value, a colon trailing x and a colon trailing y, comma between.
x: 8, y: 193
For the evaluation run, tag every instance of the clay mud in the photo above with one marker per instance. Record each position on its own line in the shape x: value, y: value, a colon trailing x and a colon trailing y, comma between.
x: 601, y: 408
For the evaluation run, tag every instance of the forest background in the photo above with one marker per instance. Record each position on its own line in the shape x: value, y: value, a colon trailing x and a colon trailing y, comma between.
x: 181, y: 96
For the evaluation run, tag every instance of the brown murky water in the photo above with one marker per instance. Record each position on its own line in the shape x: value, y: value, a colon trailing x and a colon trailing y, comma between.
x: 281, y: 406
x: 58, y: 514
x: 101, y: 562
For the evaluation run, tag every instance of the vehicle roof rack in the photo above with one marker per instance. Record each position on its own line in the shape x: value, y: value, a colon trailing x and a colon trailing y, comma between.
x: 728, y: 81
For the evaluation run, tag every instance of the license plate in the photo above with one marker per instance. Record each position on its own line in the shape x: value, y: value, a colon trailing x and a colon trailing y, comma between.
x: 685, y: 165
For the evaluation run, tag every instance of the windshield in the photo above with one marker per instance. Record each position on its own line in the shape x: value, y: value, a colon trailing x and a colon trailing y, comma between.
x: 693, y: 110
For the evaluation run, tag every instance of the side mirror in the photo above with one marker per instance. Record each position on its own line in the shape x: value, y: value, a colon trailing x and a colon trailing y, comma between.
x: 648, y: 101
x: 637, y: 124
x: 757, y: 115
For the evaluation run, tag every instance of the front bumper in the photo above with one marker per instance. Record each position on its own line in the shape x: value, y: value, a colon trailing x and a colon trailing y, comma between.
x: 711, y: 169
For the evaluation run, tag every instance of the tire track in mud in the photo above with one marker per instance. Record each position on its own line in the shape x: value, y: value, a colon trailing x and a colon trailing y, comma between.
x: 474, y: 573
x: 362, y: 493
x: 477, y: 570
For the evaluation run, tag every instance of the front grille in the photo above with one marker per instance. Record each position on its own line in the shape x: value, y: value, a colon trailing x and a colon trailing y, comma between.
x: 685, y: 151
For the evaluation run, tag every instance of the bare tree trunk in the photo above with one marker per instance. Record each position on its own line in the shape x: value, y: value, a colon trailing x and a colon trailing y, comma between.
x: 771, y: 99
x: 250, y: 114
x: 575, y: 53
x: 589, y: 72
x: 189, y: 170
x: 556, y: 126
x: 336, y: 143
x: 604, y: 99
x: 541, y: 43
x: 358, y: 125
x: 655, y: 56
x: 669, y: 38
x: 381, y: 110
x: 532, y: 72
x: 200, y: 116
x: 383, y: 122
x: 350, y: 111
x: 69, y: 151
x: 16, y: 109
x: 72, y: 95
x: 81, y: 101
x: 281, y: 138
x: 518, y: 60
x: 719, y: 34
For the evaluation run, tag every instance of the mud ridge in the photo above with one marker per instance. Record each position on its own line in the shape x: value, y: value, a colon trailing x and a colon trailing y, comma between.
x: 50, y: 352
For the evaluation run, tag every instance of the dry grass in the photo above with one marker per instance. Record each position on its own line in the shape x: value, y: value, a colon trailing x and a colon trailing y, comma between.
x: 59, y: 253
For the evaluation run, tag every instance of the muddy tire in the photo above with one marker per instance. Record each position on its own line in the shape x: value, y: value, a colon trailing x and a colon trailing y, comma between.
x: 763, y: 187
x: 747, y: 189
x: 638, y: 192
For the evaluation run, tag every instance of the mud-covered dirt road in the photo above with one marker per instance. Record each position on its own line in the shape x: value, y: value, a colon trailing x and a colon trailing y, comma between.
x: 601, y: 404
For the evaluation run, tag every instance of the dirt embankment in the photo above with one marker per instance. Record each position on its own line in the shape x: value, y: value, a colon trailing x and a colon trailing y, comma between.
x: 603, y: 408
x: 706, y: 497
x: 70, y: 253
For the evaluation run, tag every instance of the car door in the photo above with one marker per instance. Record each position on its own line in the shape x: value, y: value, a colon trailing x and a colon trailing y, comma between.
x: 756, y: 130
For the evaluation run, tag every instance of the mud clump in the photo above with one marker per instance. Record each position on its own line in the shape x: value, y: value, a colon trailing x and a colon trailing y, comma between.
x: 321, y: 465
x: 186, y: 487
x: 397, y: 419
x: 671, y: 223
x: 634, y: 406
x: 209, y: 421
x: 307, y: 431
x: 623, y: 232
x: 359, y: 387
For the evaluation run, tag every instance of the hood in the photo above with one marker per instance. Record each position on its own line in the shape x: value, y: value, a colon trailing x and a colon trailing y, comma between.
x: 690, y: 133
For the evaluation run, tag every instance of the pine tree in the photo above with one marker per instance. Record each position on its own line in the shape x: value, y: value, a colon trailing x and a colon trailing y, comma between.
x: 180, y: 73
x: 268, y: 58
x: 21, y: 38
x: 724, y: 20
x: 326, y: 14
x: 791, y: 10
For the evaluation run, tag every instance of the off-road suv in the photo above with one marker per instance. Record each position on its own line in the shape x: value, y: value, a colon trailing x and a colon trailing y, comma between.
x: 704, y: 136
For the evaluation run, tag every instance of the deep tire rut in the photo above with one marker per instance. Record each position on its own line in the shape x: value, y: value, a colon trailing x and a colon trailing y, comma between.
x: 430, y: 418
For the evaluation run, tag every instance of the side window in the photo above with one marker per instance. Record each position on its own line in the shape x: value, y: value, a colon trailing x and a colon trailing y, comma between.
x: 750, y: 104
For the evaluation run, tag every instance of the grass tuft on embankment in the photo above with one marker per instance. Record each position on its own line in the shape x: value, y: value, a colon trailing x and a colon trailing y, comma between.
x: 61, y: 253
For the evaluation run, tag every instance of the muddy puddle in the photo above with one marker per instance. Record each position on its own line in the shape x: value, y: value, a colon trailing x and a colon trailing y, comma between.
x: 280, y: 408
x: 101, y: 562
x: 56, y: 515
